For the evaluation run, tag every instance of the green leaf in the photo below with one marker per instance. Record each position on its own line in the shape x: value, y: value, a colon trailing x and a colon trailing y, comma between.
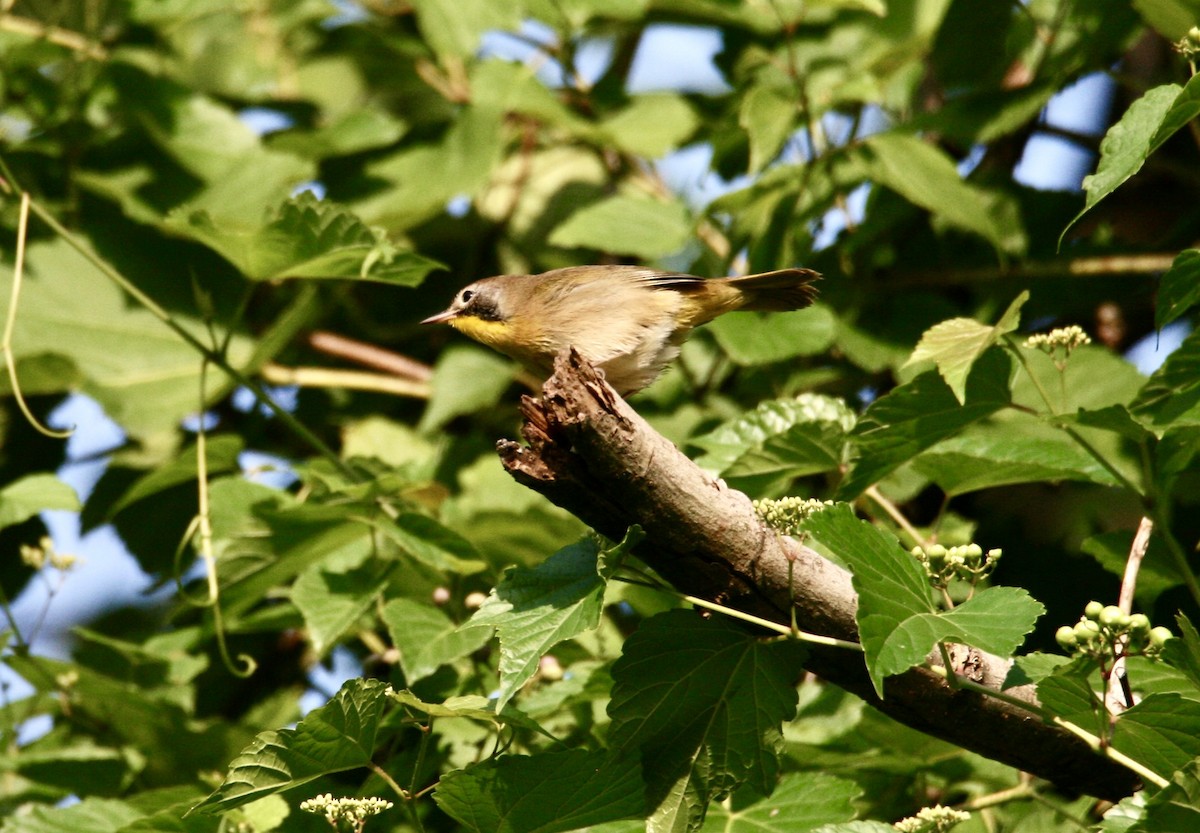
x: 82, y: 768
x: 1147, y: 123
x: 336, y: 737
x: 768, y: 116
x: 1184, y: 108
x: 1183, y: 652
x: 1032, y: 668
x: 465, y: 380
x: 544, y: 793
x: 1175, y: 808
x: 221, y: 457
x: 426, y: 638
x: 1157, y: 573
x: 1095, y: 378
x: 34, y: 493
x: 352, y: 132
x: 802, y: 801
x: 1171, y: 18
x: 703, y: 701
x: 280, y: 543
x: 92, y: 815
x: 1175, y: 455
x: 535, y: 609
x: 897, y: 622
x: 1006, y: 449
x: 754, y: 338
x: 472, y: 707
x: 651, y: 125
x: 955, y: 345
x: 927, y: 177
x: 779, y: 439
x: 1162, y: 732
x: 307, y: 238
x: 1068, y: 694
x: 919, y: 414
x: 1179, y: 288
x: 144, y: 375
x: 463, y: 158
x: 453, y: 27
x: 335, y: 593
x: 1171, y: 397
x: 432, y: 544
x: 629, y: 225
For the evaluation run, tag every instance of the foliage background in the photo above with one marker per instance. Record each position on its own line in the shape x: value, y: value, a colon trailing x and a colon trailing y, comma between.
x: 872, y: 140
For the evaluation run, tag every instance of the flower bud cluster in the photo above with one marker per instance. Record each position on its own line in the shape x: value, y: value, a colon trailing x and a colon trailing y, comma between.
x: 1062, y: 338
x: 353, y: 810
x: 967, y: 562
x: 1105, y: 633
x: 787, y: 514
x: 935, y: 819
x: 1189, y: 45
x: 43, y: 553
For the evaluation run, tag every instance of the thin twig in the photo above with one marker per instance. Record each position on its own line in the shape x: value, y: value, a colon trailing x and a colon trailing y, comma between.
x: 10, y: 324
x: 54, y: 34
x: 896, y: 515
x: 328, y: 377
x: 1082, y: 267
x: 370, y: 355
x: 1114, y: 695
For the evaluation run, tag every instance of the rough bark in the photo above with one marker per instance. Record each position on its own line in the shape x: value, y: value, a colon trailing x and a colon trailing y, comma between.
x: 591, y: 454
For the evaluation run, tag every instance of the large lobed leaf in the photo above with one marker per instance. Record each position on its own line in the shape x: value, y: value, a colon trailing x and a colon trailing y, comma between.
x: 897, y: 622
x: 534, y: 609
x: 546, y: 793
x: 1144, y: 127
x: 918, y: 414
x: 307, y: 238
x: 702, y: 702
x: 338, y: 736
x: 779, y: 439
x: 801, y: 802
x: 955, y: 345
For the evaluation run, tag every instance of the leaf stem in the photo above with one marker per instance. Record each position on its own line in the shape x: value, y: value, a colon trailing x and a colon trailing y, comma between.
x: 1112, y: 754
x: 895, y: 514
x: 204, y: 530
x: 11, y: 321
x: 951, y: 677
x: 783, y: 630
x: 1083, y: 734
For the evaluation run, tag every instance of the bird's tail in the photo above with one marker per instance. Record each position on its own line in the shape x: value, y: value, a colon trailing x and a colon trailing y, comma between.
x: 779, y: 291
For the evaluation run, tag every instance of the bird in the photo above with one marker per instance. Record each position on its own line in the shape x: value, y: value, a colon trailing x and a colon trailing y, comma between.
x: 628, y: 321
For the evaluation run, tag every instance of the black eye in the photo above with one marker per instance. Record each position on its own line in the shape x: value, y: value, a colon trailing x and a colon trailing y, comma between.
x: 467, y: 295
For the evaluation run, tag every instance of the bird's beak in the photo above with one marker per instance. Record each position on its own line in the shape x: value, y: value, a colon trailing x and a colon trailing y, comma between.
x: 441, y: 317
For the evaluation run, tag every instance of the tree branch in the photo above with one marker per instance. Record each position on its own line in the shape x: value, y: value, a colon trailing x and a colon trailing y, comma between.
x: 591, y: 454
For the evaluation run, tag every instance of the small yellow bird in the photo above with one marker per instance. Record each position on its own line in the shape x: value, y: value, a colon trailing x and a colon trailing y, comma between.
x: 627, y: 320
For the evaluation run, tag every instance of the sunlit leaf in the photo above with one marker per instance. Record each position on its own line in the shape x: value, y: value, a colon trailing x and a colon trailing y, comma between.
x: 917, y: 415
x: 34, y: 493
x: 955, y: 345
x: 427, y: 638
x: 336, y: 737
x: 627, y: 225
x: 535, y: 609
x: 1148, y: 122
